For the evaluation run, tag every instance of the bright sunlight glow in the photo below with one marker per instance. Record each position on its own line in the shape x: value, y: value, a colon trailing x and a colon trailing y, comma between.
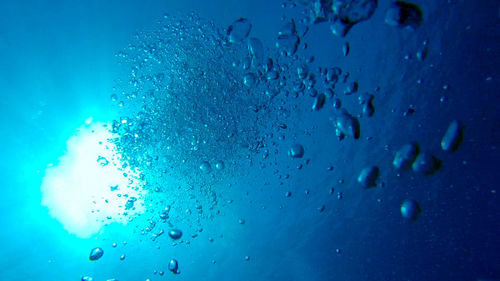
x: 90, y: 186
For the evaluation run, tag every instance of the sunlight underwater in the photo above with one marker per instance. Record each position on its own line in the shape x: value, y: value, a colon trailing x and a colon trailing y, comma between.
x: 90, y: 186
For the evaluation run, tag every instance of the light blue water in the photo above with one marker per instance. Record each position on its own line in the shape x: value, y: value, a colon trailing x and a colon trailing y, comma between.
x: 58, y: 67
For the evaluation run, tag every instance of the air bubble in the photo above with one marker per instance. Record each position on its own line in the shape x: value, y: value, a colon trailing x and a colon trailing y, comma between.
x: 205, y: 167
x: 296, y: 151
x: 239, y: 30
x: 410, y: 209
x: 368, y: 177
x: 96, y: 254
x: 452, y: 137
x: 175, y: 234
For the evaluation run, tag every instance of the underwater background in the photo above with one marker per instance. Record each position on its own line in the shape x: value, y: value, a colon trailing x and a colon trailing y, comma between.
x: 250, y: 140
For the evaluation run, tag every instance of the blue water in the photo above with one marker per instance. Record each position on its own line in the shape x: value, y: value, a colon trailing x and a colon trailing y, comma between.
x: 58, y: 68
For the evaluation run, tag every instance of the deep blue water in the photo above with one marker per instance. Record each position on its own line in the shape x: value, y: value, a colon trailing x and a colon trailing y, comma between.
x: 58, y: 68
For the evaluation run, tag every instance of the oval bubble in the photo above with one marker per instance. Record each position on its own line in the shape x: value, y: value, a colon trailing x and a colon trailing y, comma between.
x: 96, y: 254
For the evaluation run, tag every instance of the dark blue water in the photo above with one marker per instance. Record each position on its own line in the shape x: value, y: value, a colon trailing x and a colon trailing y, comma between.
x: 265, y: 215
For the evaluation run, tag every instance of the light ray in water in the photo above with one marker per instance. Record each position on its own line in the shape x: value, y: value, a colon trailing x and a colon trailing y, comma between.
x: 90, y: 186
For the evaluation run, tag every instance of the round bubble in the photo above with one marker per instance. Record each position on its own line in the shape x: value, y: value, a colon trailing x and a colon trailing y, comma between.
x: 175, y: 234
x: 219, y: 165
x: 410, y: 209
x: 250, y: 79
x: 205, y: 167
x: 296, y: 151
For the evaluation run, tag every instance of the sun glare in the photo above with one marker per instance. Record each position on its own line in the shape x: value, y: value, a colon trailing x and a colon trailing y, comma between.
x: 90, y: 186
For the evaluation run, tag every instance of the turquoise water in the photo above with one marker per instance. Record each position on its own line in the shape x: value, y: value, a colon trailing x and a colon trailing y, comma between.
x: 208, y: 125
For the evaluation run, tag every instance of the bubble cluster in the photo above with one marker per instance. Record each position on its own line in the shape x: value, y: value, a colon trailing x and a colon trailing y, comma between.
x: 199, y: 101
x: 188, y: 102
x: 342, y: 14
x: 195, y: 102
